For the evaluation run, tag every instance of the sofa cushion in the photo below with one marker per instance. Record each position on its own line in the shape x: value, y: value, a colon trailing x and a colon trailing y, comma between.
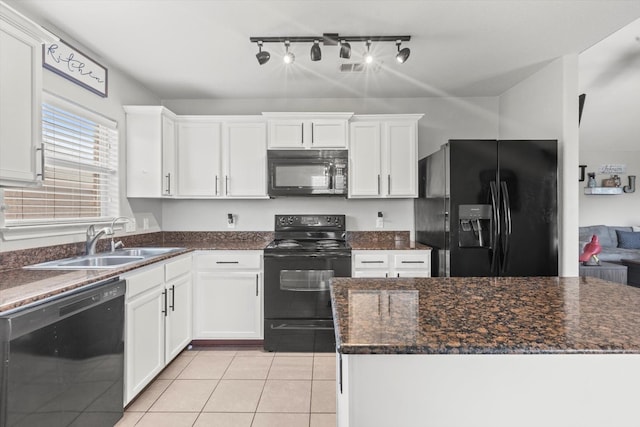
x: 628, y: 239
x: 602, y: 231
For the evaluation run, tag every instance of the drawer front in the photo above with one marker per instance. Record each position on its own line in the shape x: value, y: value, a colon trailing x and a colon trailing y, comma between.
x: 138, y: 283
x: 229, y: 260
x: 176, y: 268
x: 414, y: 260
x: 370, y: 260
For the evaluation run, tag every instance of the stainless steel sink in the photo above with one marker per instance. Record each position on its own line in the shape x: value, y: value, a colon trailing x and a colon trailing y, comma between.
x: 145, y: 252
x: 106, y: 260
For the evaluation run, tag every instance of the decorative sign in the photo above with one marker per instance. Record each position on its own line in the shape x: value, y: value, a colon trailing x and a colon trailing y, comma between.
x: 612, y: 169
x: 72, y: 64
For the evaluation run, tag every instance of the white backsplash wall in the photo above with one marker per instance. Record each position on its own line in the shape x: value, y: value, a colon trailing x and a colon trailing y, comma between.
x: 258, y: 215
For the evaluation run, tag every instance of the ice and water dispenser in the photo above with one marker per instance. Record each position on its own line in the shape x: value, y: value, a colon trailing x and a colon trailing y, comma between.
x: 474, y: 226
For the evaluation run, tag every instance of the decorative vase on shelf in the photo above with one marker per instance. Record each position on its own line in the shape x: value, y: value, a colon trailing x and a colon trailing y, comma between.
x: 592, y: 180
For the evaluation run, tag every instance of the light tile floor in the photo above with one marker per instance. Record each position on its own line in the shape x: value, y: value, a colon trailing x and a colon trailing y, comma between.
x: 239, y: 387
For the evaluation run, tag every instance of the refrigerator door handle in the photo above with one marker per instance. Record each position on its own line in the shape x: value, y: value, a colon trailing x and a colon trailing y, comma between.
x: 506, y: 204
x: 496, y: 225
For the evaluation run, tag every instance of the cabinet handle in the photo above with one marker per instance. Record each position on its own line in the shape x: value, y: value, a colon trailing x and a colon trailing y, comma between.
x: 216, y: 185
x: 168, y: 176
x: 257, y: 278
x: 173, y: 298
x: 378, y: 183
x: 340, y: 371
x: 227, y: 262
x: 412, y: 262
x: 312, y: 126
x: 386, y: 275
x: 164, y: 295
x: 226, y: 185
x: 41, y: 150
x: 372, y: 262
x: 302, y: 133
x: 397, y: 274
x: 388, y: 185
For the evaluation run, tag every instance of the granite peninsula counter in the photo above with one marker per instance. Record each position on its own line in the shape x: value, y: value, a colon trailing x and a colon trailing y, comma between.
x: 486, y: 352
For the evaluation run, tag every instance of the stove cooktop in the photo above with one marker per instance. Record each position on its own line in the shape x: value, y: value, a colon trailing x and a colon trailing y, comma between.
x: 308, y: 245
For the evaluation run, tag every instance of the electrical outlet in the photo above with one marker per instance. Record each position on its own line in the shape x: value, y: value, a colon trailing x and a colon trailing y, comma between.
x: 379, y: 223
x: 145, y: 223
x: 231, y: 221
x: 130, y: 226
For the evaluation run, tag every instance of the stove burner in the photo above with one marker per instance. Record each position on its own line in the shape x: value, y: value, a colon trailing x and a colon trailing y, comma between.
x: 288, y: 243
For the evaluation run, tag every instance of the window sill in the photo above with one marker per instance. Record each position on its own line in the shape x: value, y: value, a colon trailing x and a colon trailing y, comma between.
x: 40, y: 231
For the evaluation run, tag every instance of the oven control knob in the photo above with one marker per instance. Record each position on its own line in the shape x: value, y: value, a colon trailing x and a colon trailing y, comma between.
x: 290, y: 220
x: 283, y: 220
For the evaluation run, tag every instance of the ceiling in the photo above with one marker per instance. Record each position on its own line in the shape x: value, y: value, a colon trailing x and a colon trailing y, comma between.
x: 184, y: 49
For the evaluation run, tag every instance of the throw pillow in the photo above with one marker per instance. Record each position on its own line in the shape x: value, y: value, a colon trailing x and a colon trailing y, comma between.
x: 635, y: 228
x: 628, y: 239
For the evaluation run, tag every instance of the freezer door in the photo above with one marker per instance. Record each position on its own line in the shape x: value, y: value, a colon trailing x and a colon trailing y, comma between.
x: 528, y: 181
x: 431, y: 210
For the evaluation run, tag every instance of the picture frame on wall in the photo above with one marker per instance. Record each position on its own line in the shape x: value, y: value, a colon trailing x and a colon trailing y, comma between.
x: 70, y: 63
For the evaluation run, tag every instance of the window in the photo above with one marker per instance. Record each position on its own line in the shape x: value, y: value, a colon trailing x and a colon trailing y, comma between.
x: 80, y: 170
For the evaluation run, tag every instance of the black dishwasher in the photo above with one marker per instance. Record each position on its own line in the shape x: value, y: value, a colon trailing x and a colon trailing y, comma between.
x: 63, y: 360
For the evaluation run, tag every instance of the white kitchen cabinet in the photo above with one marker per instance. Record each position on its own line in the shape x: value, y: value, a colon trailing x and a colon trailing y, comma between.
x: 199, y: 150
x: 245, y: 159
x: 308, y: 130
x: 228, y: 296
x: 383, y: 156
x: 151, y: 151
x: 158, y: 319
x: 20, y: 100
x: 392, y: 263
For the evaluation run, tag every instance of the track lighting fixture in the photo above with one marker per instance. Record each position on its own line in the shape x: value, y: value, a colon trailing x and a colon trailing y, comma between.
x: 403, y: 54
x: 368, y: 58
x: 345, y: 50
x: 316, y: 53
x: 262, y: 56
x: 289, y: 57
x: 330, y: 39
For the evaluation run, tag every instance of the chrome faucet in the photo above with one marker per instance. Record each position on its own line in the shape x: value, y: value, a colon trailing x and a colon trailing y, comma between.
x: 93, y: 236
x: 116, y: 245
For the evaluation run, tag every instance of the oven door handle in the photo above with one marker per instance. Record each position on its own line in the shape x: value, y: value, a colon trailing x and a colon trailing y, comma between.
x: 320, y: 288
x: 301, y: 327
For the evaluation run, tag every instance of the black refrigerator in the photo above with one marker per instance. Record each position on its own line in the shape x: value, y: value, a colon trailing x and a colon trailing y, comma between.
x: 490, y: 208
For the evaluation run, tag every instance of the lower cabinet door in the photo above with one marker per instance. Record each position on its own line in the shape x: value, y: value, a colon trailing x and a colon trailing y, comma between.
x: 228, y: 305
x: 179, y: 316
x: 144, y: 340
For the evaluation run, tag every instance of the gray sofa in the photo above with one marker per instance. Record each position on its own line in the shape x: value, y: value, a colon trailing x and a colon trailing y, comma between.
x: 608, y: 241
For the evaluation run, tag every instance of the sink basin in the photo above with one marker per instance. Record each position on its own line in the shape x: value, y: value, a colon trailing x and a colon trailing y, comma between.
x: 144, y: 252
x: 104, y: 260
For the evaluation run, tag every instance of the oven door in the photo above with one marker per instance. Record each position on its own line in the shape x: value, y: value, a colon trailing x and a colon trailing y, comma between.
x: 297, y: 286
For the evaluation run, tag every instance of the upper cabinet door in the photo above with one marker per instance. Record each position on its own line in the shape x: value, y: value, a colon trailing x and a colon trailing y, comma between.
x: 169, y: 156
x: 199, y: 159
x: 20, y: 106
x: 327, y: 134
x: 150, y: 148
x: 364, y: 158
x: 401, y: 159
x: 286, y: 134
x: 245, y: 154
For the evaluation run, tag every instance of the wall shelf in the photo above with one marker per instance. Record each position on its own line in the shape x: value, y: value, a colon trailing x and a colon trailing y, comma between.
x: 604, y: 191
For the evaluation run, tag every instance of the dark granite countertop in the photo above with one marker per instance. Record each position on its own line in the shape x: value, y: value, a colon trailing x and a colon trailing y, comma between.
x: 519, y: 315
x: 20, y: 287
x: 396, y: 245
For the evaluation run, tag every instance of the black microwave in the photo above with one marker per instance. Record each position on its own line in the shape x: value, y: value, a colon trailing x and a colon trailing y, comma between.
x: 307, y: 172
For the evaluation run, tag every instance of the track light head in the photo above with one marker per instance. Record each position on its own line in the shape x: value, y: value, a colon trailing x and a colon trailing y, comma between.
x: 262, y: 57
x: 345, y: 50
x: 403, y: 54
x: 368, y: 58
x: 289, y: 57
x: 316, y: 53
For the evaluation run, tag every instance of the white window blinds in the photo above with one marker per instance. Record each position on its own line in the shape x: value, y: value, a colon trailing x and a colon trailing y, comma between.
x: 80, y: 170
